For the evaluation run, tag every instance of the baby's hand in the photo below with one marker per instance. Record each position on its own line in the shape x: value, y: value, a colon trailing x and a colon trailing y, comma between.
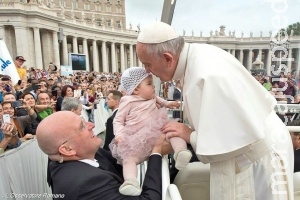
x: 118, y: 139
x: 173, y: 104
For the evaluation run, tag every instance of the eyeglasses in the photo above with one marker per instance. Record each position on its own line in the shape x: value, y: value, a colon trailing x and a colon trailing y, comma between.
x: 82, y: 127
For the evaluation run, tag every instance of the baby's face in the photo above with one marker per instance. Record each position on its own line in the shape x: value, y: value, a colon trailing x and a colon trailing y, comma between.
x: 146, y: 88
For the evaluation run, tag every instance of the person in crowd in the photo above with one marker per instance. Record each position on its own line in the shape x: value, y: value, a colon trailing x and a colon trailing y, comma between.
x: 7, y: 85
x: 297, y: 98
x: 296, y: 144
x: 288, y: 85
x: 50, y: 82
x: 84, y: 99
x: 66, y: 91
x: 137, y: 125
x: 30, y: 101
x: 19, y: 61
x: 80, y: 169
x: 9, y: 138
x: 112, y: 101
x: 98, y: 93
x: 44, y: 106
x: 72, y: 104
x: 177, y: 97
x: 238, y: 148
x: 9, y: 97
x: 22, y: 121
x: 267, y: 84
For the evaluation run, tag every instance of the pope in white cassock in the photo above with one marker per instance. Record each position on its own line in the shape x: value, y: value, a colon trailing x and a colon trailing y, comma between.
x: 232, y: 124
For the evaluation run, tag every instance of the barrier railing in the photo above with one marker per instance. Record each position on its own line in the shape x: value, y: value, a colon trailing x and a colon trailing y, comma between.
x: 23, y: 173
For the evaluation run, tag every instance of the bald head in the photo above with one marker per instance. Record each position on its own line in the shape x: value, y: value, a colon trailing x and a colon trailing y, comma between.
x: 54, y: 130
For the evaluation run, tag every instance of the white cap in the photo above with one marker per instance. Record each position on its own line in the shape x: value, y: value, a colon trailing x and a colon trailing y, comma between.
x: 132, y: 77
x: 157, y: 32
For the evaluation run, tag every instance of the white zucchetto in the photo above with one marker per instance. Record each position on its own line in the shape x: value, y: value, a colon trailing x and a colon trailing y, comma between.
x: 157, y: 32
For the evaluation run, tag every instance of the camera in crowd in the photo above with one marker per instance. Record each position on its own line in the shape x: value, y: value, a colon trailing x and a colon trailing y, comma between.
x: 17, y: 104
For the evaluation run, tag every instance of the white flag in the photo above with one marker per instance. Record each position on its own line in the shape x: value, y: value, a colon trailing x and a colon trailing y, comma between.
x: 7, y: 65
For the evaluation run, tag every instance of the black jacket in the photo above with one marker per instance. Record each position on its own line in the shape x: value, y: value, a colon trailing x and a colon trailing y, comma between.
x: 78, y: 180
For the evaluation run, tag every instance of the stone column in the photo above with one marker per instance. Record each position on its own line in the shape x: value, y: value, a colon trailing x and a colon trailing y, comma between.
x: 122, y: 57
x: 55, y: 48
x: 269, y: 62
x: 2, y: 32
x: 65, y: 51
x: 233, y: 52
x: 241, y: 57
x: 95, y: 56
x: 134, y: 57
x: 131, y: 55
x: 22, y: 43
x: 75, y: 45
x: 86, y: 52
x: 249, y: 67
x: 37, y: 48
x: 104, y: 57
x: 297, y: 59
x: 113, y: 57
x: 260, y: 54
x: 289, y: 62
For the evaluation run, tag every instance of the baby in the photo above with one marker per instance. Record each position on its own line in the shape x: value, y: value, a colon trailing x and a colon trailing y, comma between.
x: 137, y: 126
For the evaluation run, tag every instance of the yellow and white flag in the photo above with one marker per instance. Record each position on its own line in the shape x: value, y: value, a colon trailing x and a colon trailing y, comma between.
x: 7, y: 65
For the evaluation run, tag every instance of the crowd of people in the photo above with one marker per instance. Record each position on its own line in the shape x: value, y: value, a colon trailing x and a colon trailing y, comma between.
x: 218, y: 89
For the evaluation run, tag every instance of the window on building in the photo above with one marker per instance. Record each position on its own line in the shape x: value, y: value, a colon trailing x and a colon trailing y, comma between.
x: 86, y: 6
x: 119, y: 24
x: 108, y: 8
x: 108, y: 23
x: 118, y: 3
x: 62, y: 3
x: 97, y: 7
x: 75, y: 4
x: 119, y: 10
x: 107, y: 1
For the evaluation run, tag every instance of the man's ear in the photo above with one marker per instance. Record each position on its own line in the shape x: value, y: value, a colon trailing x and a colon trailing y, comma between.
x: 168, y: 57
x: 66, y: 150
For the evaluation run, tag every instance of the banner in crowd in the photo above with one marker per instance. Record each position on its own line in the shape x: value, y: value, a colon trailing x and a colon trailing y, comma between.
x: 65, y: 70
x: 7, y: 65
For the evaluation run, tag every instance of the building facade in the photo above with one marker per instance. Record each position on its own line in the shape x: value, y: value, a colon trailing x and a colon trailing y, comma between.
x: 45, y: 31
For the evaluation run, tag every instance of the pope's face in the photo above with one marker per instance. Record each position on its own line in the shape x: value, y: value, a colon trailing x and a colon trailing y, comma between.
x: 160, y: 66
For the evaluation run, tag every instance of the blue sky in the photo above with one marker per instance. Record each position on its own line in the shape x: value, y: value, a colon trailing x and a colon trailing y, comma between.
x: 203, y: 15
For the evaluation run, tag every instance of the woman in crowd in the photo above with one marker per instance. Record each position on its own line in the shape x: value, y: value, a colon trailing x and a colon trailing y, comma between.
x: 9, y: 138
x: 66, y: 91
x: 30, y: 101
x: 22, y: 121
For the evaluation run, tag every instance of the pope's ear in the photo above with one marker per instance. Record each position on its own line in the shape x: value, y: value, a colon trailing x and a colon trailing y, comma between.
x: 168, y: 57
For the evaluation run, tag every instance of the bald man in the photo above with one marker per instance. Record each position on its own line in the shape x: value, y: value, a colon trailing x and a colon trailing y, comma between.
x: 80, y: 170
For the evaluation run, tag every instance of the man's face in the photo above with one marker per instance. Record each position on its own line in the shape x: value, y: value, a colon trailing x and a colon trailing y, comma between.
x: 9, y: 97
x: 50, y: 82
x: 82, y: 138
x: 161, y: 66
x: 19, y: 63
x: 83, y: 86
x: 111, y: 103
x: 43, y: 99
